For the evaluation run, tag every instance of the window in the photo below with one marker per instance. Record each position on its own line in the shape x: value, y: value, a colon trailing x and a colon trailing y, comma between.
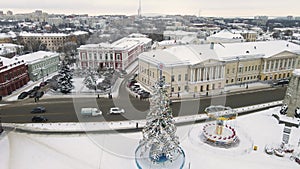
x: 95, y: 56
x: 172, y: 89
x: 233, y: 70
x: 255, y: 67
x: 90, y: 56
x: 226, y: 81
x: 186, y: 88
x: 179, y: 78
x: 172, y: 78
x: 240, y: 69
x: 227, y: 71
x: 106, y: 57
x: 245, y: 69
x: 179, y: 88
x: 186, y: 77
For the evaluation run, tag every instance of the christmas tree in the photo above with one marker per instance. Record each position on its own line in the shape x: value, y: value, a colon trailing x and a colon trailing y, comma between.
x: 65, y: 79
x: 159, y: 137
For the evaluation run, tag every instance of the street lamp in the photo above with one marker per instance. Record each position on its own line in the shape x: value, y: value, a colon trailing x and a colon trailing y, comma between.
x: 42, y: 73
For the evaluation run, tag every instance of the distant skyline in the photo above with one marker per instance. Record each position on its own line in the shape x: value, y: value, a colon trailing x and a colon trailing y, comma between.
x: 225, y: 8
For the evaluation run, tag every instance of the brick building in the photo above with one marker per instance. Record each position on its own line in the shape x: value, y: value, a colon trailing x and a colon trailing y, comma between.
x: 13, y: 75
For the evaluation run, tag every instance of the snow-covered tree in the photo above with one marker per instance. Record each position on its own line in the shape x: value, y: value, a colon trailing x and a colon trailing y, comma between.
x: 159, y: 132
x: 90, y: 79
x: 65, y: 79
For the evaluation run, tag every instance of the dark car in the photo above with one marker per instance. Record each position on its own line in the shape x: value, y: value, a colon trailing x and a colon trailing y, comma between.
x: 39, y: 94
x: 36, y: 88
x: 281, y: 82
x: 39, y: 119
x: 33, y: 94
x: 23, y: 95
x: 38, y: 110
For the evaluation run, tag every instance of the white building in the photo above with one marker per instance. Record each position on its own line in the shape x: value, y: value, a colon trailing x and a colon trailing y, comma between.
x: 226, y: 36
x: 177, y: 35
x: 208, y: 68
x: 118, y: 55
x: 40, y: 64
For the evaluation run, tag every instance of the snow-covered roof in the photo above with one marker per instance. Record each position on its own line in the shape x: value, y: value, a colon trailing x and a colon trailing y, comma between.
x: 9, y: 45
x: 10, y: 63
x: 179, y: 33
x: 137, y: 35
x: 76, y: 33
x: 263, y: 49
x: 194, y: 54
x: 225, y: 34
x: 122, y: 44
x: 5, y: 35
x: 36, y: 56
x: 95, y: 46
x: 29, y: 34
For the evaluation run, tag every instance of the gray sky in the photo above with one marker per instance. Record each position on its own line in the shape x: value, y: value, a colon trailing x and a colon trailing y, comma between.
x: 129, y: 7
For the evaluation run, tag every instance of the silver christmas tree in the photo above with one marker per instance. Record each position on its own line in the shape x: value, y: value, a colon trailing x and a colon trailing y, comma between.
x: 159, y: 137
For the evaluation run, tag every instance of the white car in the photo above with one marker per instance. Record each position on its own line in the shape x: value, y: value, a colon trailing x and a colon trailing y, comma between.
x: 116, y: 110
x: 90, y: 112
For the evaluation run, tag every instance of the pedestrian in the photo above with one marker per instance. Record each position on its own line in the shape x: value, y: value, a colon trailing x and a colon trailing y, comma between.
x: 137, y: 125
x: 247, y: 86
x: 178, y: 94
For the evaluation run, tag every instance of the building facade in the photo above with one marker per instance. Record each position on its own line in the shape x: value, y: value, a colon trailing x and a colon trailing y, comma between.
x: 118, y: 55
x: 41, y: 64
x: 52, y: 41
x: 207, y: 69
x: 13, y: 75
x: 184, y: 70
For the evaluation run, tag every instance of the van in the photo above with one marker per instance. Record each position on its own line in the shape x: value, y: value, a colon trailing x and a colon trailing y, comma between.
x: 90, y: 112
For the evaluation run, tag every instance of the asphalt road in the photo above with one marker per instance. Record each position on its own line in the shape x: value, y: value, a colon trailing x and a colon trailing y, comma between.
x: 68, y: 110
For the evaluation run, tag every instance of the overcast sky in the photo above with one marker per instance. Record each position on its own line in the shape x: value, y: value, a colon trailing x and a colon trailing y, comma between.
x: 129, y: 7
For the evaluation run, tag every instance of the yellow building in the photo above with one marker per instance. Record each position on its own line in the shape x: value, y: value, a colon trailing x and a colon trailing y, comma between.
x: 207, y: 69
x: 185, y: 69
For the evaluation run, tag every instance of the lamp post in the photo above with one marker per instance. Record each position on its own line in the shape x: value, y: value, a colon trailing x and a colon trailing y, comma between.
x: 42, y: 73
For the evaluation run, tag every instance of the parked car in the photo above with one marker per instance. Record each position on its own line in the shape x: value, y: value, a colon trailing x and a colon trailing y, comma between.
x: 281, y: 82
x: 39, y: 109
x: 36, y: 88
x: 90, y: 112
x: 116, y: 110
x: 39, y: 94
x: 23, y: 95
x: 145, y: 95
x: 39, y: 119
x: 33, y: 94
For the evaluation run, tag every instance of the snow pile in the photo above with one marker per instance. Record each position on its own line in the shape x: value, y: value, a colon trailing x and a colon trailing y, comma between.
x: 296, y: 72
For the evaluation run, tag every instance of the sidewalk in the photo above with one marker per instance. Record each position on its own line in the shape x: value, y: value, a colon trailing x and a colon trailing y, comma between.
x: 227, y: 90
x: 28, y: 86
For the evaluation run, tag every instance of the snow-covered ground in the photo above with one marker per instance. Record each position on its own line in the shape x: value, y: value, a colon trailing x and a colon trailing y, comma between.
x: 116, y: 150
